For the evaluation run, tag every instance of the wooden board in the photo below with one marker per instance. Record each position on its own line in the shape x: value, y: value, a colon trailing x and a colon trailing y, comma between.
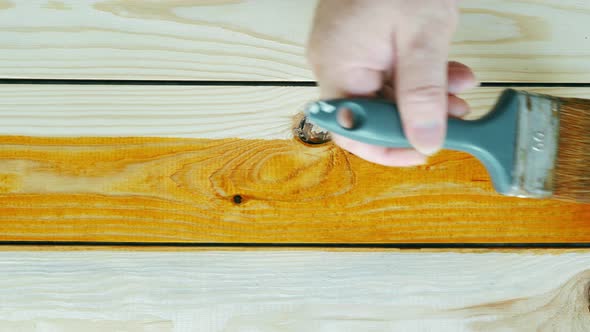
x: 293, y: 291
x: 177, y: 111
x: 174, y: 190
x: 170, y: 111
x: 237, y: 190
x: 542, y: 40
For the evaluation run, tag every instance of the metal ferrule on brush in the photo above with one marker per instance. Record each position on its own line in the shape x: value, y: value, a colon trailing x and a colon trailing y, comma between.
x: 537, y: 142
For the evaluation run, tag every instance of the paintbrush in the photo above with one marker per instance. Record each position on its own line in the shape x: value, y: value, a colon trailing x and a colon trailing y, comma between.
x: 532, y: 145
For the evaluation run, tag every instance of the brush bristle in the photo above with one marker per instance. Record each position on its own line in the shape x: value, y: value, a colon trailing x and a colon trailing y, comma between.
x: 572, y: 171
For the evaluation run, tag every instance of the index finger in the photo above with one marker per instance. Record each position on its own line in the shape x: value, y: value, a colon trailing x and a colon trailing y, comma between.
x: 421, y: 82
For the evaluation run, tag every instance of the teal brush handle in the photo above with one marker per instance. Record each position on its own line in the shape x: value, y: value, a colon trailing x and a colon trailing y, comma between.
x: 491, y: 139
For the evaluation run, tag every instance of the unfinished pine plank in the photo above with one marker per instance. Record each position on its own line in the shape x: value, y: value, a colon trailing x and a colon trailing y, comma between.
x: 258, y: 191
x: 293, y: 291
x: 176, y: 111
x: 164, y: 111
x: 542, y: 40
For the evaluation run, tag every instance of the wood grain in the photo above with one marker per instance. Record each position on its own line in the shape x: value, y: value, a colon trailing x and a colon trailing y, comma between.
x: 163, y: 111
x: 184, y: 190
x: 541, y: 40
x: 293, y: 291
x: 177, y: 111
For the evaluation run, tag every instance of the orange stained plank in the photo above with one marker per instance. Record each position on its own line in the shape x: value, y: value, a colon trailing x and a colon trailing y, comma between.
x: 184, y: 190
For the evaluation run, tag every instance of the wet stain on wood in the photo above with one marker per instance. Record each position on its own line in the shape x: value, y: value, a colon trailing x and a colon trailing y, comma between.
x: 234, y: 190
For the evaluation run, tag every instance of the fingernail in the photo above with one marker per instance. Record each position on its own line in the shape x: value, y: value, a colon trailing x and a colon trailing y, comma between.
x: 428, y: 137
x: 458, y: 87
x: 459, y: 111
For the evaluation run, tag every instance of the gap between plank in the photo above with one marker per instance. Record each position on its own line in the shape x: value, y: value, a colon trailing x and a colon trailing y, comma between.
x: 304, y: 245
x: 247, y: 83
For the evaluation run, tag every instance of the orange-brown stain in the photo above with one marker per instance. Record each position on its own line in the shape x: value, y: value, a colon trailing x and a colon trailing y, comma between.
x: 9, y: 183
x: 183, y: 190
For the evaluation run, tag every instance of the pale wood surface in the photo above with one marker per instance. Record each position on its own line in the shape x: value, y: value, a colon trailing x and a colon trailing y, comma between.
x: 541, y: 40
x: 173, y: 111
x: 293, y: 291
x: 176, y: 111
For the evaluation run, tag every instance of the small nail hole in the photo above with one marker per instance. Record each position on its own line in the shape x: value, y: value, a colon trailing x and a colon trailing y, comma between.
x: 237, y: 199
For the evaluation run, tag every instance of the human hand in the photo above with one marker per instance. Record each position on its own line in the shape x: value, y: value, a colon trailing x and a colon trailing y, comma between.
x: 399, y: 49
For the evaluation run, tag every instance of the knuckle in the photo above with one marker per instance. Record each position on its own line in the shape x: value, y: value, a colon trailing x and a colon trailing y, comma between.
x: 423, y: 94
x: 437, y: 25
x: 422, y: 102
